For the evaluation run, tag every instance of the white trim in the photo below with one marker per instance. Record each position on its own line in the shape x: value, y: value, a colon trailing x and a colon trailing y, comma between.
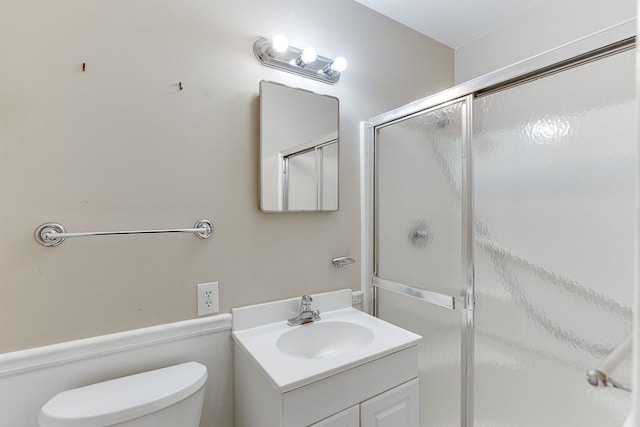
x: 23, y: 361
x: 634, y: 418
x: 366, y: 214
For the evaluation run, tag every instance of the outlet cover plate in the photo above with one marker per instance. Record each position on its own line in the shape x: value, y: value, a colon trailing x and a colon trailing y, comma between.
x: 207, y: 298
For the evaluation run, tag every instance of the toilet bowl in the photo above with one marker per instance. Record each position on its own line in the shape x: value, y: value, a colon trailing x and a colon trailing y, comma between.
x: 168, y: 397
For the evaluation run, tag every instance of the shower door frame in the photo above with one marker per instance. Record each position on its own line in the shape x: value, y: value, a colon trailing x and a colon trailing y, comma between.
x: 596, y: 46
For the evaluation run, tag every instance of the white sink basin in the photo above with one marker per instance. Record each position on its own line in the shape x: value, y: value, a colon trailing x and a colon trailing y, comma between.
x: 324, y: 339
x: 291, y: 357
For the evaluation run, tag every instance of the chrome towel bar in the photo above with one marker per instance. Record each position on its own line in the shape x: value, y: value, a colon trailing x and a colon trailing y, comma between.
x: 52, y: 234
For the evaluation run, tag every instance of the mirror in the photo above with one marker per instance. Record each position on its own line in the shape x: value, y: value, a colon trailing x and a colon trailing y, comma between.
x: 298, y: 150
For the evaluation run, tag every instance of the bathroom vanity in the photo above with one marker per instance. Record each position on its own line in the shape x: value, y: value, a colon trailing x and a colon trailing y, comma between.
x: 346, y: 369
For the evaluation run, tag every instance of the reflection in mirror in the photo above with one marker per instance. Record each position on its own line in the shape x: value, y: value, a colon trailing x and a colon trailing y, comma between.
x: 298, y: 150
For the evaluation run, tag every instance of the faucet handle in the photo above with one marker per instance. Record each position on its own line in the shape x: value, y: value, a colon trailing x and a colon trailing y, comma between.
x: 306, y: 302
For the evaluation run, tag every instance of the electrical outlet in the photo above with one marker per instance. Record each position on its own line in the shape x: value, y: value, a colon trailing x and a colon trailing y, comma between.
x: 207, y: 298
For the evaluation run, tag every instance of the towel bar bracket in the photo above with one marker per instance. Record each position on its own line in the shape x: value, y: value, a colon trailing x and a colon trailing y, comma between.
x: 45, y: 234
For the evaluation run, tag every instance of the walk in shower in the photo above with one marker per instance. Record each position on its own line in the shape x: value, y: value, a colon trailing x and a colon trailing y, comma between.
x: 500, y: 221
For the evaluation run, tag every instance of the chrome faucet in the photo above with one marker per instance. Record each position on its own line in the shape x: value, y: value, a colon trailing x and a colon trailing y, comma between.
x: 306, y: 315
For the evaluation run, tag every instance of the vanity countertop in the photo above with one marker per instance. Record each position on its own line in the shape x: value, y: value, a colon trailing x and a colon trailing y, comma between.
x: 291, y: 357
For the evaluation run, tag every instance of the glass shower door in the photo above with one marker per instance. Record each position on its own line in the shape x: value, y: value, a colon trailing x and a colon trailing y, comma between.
x: 555, y: 164
x: 420, y: 271
x: 514, y: 312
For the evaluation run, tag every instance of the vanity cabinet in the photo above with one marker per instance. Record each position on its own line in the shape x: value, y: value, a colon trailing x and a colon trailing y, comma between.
x: 395, y: 408
x: 380, y: 393
x: 347, y: 418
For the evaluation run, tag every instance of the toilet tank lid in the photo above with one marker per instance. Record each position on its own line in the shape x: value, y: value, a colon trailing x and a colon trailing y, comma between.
x: 123, y: 399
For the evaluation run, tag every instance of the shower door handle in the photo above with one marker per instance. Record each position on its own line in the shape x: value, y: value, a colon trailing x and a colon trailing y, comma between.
x: 442, y: 300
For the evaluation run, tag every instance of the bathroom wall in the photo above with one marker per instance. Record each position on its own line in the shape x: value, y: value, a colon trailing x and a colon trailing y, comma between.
x: 561, y: 22
x: 120, y: 147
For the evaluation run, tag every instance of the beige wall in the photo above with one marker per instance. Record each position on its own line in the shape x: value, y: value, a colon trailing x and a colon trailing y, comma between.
x: 119, y: 147
x: 551, y: 26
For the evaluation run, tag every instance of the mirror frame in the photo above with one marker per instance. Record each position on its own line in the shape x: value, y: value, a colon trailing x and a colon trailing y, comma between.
x: 260, y: 150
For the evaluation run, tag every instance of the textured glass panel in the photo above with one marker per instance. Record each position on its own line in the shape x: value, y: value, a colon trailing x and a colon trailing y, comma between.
x: 439, y: 354
x: 303, y: 182
x: 418, y: 205
x: 555, y: 164
x: 329, y: 173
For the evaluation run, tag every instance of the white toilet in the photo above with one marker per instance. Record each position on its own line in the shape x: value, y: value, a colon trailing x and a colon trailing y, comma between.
x: 168, y: 397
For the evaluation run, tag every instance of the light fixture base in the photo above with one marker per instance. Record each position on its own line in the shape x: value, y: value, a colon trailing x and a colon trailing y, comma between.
x: 286, y: 61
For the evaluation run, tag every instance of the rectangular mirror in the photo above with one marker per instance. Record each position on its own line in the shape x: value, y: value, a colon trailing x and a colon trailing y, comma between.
x: 298, y: 150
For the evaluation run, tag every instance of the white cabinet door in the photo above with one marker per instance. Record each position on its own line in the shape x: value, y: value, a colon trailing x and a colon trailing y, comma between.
x: 397, y: 407
x: 347, y: 418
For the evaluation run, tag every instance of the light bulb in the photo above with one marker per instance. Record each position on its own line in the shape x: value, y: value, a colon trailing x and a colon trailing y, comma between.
x: 309, y: 55
x: 280, y: 43
x: 339, y: 64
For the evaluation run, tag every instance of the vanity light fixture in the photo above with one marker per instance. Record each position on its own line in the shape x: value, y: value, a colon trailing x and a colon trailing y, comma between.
x: 307, y: 56
x: 279, y: 44
x: 305, y: 62
x: 337, y: 66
